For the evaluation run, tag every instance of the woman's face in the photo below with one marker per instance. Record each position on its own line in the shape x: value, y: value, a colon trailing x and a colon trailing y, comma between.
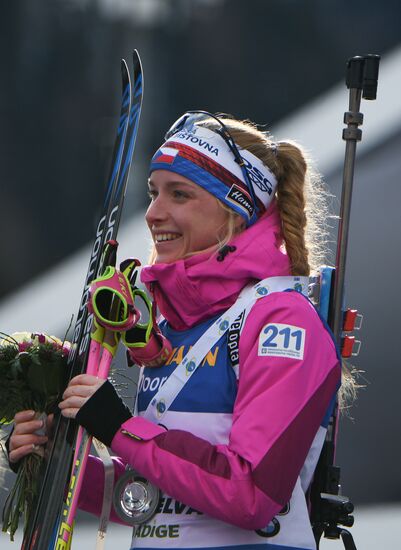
x: 182, y: 217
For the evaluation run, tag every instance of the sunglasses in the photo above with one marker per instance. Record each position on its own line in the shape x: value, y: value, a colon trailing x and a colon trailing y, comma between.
x: 189, y: 120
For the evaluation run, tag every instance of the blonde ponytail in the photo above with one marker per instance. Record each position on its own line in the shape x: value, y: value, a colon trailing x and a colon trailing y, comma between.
x: 291, y: 203
x: 301, y: 198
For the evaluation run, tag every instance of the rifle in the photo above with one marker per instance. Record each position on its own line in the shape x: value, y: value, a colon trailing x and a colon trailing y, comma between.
x: 330, y: 511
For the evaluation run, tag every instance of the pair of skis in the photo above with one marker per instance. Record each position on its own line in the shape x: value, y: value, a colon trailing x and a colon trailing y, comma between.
x: 51, y: 526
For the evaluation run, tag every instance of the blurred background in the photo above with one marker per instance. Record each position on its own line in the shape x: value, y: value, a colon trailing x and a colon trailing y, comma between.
x: 280, y: 63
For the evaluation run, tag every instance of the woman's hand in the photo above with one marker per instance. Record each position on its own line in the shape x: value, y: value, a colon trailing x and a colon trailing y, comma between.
x: 24, y: 440
x: 78, y: 391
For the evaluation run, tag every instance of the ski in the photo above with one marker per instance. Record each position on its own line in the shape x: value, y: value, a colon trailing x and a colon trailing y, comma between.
x: 41, y: 534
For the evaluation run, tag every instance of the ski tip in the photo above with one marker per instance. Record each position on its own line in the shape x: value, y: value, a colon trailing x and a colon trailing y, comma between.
x: 126, y: 80
x: 137, y: 64
x: 136, y: 59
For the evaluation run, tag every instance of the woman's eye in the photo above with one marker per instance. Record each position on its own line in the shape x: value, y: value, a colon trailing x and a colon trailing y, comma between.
x: 175, y: 194
x: 179, y: 194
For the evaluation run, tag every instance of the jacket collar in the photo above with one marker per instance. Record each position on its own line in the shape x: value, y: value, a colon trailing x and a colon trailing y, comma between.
x: 194, y: 289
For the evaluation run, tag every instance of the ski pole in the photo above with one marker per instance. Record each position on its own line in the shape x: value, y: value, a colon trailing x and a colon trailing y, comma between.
x: 116, y: 308
x: 83, y: 446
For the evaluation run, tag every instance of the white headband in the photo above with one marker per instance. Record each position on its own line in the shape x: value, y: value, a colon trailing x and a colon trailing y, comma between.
x: 203, y: 156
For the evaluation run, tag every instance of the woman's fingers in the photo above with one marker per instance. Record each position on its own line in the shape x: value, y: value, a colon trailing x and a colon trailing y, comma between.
x: 28, y: 427
x: 24, y: 450
x: 23, y: 416
x: 17, y: 441
x: 84, y: 380
x: 22, y: 445
x: 79, y: 390
x: 70, y: 406
x: 24, y: 440
x: 74, y: 401
x: 83, y: 385
x: 70, y: 412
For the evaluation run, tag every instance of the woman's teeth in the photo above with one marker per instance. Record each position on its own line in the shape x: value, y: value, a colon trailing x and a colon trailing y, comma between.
x: 165, y: 237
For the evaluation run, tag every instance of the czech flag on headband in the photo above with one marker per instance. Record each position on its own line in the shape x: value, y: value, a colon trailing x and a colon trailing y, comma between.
x: 165, y: 155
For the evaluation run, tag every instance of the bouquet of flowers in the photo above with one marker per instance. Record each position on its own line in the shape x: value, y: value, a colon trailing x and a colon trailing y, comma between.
x: 33, y: 376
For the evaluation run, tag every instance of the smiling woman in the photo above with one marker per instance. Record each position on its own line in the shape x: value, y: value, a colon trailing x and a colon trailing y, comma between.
x: 230, y: 426
x: 183, y: 218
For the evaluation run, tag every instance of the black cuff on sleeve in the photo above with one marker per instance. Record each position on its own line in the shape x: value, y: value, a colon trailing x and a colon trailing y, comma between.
x: 103, y: 413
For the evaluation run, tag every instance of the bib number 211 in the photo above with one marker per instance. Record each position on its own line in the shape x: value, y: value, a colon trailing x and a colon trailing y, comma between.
x: 278, y: 340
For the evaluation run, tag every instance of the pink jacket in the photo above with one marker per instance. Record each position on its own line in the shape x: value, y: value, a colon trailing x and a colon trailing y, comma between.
x: 280, y: 404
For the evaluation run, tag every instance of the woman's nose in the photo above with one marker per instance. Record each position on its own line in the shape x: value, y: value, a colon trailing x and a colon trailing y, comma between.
x: 156, y: 211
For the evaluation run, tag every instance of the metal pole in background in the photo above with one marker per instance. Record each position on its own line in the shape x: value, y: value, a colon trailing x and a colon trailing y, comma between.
x: 330, y: 511
x: 361, y: 79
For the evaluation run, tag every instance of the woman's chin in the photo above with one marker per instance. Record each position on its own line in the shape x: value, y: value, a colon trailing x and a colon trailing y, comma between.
x: 168, y: 251
x: 163, y: 259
